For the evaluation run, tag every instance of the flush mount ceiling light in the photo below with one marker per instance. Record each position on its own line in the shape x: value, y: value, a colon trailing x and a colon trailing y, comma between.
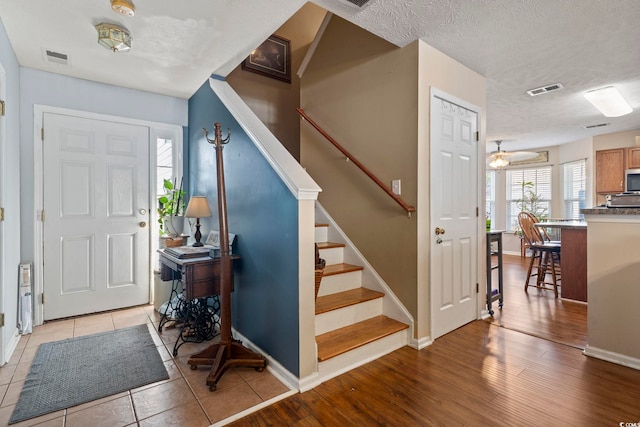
x: 113, y: 37
x: 609, y: 101
x: 123, y: 7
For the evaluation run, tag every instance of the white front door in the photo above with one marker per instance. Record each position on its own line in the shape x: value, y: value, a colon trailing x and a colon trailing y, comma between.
x: 96, y: 205
x: 454, y: 220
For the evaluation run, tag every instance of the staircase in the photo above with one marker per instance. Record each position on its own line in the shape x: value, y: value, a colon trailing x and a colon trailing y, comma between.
x: 351, y: 327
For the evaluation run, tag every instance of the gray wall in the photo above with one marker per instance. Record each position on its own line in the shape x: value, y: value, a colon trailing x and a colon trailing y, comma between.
x: 10, y: 190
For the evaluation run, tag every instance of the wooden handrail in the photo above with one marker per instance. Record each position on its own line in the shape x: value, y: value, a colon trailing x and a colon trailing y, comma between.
x: 355, y: 161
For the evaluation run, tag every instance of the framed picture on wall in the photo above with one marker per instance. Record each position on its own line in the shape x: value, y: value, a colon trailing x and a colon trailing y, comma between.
x: 272, y: 58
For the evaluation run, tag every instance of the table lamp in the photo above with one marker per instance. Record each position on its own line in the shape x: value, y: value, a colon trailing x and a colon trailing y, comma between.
x: 198, y: 208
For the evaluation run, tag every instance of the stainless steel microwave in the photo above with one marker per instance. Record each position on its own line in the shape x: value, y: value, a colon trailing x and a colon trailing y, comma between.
x: 632, y: 180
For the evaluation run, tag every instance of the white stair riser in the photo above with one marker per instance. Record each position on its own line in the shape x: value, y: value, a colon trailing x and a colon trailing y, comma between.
x: 340, y: 282
x: 322, y: 234
x: 332, y: 255
x: 346, y: 316
x: 361, y: 355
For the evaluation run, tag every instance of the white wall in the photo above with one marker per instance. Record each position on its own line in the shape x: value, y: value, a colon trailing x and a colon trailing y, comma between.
x: 9, y: 193
x: 43, y: 88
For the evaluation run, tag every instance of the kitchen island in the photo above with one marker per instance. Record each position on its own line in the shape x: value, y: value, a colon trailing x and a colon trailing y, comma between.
x: 573, y: 259
x: 613, y: 284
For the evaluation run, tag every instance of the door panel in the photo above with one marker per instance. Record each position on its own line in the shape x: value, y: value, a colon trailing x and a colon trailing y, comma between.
x: 96, y: 183
x: 454, y: 196
x: 77, y: 261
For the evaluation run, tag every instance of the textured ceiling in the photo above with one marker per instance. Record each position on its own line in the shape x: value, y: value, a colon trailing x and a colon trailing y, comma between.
x: 516, y: 44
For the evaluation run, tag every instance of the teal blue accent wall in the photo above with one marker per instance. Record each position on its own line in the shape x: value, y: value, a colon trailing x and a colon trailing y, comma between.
x: 263, y: 213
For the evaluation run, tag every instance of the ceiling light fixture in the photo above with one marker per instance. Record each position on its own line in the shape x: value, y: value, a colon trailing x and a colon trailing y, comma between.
x: 500, y: 159
x: 113, y: 37
x: 123, y: 7
x: 609, y: 101
x: 499, y: 162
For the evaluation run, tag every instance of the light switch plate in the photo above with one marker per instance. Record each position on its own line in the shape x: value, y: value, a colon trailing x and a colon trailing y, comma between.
x: 395, y: 187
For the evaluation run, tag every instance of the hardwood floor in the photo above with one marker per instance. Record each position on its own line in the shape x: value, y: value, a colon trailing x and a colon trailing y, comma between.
x: 484, y: 373
x: 537, y: 312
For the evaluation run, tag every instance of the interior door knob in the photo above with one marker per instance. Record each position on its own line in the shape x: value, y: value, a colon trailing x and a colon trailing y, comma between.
x: 439, y: 231
x: 143, y: 224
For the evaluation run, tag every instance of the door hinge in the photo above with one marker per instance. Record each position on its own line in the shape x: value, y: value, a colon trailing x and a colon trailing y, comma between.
x: 42, y: 299
x: 1, y: 108
x: 42, y: 215
x: 477, y: 211
x: 1, y: 214
x: 42, y: 134
x: 477, y: 288
x: 477, y: 135
x: 1, y: 320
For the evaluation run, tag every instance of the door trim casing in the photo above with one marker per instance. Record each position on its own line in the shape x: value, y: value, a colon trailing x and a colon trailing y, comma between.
x: 156, y: 130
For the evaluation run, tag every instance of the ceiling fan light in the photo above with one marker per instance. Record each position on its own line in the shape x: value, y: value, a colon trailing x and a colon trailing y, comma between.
x: 123, y: 7
x: 498, y: 162
x: 113, y: 37
x: 609, y: 101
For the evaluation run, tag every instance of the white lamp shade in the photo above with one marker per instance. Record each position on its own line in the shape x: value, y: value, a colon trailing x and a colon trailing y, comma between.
x: 198, y: 207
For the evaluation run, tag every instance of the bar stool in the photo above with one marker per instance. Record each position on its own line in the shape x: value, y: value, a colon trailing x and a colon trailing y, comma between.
x: 545, y: 255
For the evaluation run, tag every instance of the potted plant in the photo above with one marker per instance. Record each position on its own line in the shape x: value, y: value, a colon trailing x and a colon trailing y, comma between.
x: 530, y: 202
x: 171, y: 208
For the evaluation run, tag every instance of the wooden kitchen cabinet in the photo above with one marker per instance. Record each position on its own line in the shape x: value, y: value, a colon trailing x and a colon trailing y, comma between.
x: 610, y: 166
x: 633, y: 158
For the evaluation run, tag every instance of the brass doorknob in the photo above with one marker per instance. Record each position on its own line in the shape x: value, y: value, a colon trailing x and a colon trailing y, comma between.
x: 439, y: 231
x: 143, y: 224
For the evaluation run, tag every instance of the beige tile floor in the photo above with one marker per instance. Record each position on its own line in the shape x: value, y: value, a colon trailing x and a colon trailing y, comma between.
x: 182, y: 400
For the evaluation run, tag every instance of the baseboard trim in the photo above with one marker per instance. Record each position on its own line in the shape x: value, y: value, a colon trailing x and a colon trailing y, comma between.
x: 11, y: 346
x: 484, y: 314
x: 613, y: 357
x: 275, y: 368
x: 420, y: 343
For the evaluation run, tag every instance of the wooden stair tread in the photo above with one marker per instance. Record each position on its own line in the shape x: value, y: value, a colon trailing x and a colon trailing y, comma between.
x: 329, y: 245
x: 319, y: 224
x: 335, y: 343
x: 340, y: 268
x: 338, y: 300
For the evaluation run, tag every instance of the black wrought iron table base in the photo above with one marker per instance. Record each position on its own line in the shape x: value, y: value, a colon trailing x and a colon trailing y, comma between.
x: 198, y: 319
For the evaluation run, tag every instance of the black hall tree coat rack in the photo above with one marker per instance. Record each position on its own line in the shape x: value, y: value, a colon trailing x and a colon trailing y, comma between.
x: 227, y: 352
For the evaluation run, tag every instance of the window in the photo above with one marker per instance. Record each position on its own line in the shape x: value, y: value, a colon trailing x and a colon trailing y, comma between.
x: 528, y: 189
x: 491, y: 196
x: 165, y: 162
x: 573, y: 174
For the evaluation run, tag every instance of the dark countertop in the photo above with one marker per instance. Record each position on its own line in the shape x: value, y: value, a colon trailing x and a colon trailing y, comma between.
x: 610, y: 211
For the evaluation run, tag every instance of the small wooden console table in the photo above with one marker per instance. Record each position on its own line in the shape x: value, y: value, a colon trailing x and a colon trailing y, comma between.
x: 200, y: 280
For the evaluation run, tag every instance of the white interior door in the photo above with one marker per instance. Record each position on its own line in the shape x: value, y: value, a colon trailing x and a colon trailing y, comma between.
x: 96, y: 204
x: 454, y: 202
x: 3, y: 267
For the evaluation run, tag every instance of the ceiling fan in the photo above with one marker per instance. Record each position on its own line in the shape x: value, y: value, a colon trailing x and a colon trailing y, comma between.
x: 499, y: 159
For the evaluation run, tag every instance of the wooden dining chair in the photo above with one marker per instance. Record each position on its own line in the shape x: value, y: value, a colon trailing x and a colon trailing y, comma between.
x: 545, y: 254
